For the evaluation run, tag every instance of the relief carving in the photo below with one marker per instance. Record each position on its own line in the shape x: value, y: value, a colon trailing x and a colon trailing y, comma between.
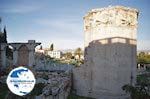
x: 117, y: 17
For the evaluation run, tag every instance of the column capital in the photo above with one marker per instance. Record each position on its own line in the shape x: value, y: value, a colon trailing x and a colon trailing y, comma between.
x: 31, y: 46
x: 15, y: 46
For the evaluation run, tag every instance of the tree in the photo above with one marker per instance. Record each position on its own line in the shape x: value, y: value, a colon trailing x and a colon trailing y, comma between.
x: 78, y: 52
x: 5, y: 35
x: 51, y: 47
x: 143, y: 58
x: 68, y: 55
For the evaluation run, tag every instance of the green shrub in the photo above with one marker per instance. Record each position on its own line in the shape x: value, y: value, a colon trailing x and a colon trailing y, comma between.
x: 141, y: 90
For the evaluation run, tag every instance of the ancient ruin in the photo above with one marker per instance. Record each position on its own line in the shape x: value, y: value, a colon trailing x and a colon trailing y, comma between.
x: 110, y: 53
x: 109, y: 63
x: 55, y: 78
x: 57, y: 86
x: 23, y: 53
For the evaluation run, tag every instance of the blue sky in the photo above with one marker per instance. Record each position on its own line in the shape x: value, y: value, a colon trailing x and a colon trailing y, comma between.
x: 61, y: 21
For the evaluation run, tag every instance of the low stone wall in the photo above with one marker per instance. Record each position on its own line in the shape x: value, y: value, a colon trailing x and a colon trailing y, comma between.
x: 58, y: 85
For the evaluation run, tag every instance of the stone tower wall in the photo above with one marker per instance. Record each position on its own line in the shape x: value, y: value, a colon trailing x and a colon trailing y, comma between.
x: 110, y: 53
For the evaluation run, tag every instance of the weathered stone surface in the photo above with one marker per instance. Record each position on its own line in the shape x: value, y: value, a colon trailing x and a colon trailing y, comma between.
x: 23, y: 54
x: 58, y: 85
x: 117, y: 21
x: 43, y: 64
x: 110, y: 53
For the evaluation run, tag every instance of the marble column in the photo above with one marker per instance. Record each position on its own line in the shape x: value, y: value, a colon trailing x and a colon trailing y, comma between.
x: 31, y: 57
x: 31, y: 47
x: 15, y: 57
x: 3, y: 54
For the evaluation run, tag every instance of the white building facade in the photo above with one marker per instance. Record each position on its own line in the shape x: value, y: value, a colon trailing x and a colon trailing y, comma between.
x: 55, y: 54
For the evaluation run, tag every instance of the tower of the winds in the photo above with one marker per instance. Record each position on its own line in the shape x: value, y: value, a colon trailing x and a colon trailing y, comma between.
x: 110, y: 53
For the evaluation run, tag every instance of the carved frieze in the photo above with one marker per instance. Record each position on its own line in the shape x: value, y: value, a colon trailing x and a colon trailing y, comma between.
x: 111, y: 17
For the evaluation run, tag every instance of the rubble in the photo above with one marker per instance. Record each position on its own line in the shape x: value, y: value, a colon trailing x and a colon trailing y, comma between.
x: 58, y: 84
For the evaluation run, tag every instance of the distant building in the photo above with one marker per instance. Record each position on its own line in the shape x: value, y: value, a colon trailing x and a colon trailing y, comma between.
x: 55, y: 54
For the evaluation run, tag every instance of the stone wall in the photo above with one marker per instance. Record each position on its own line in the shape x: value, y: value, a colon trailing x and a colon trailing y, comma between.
x: 23, y: 54
x: 58, y: 84
x: 110, y: 53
